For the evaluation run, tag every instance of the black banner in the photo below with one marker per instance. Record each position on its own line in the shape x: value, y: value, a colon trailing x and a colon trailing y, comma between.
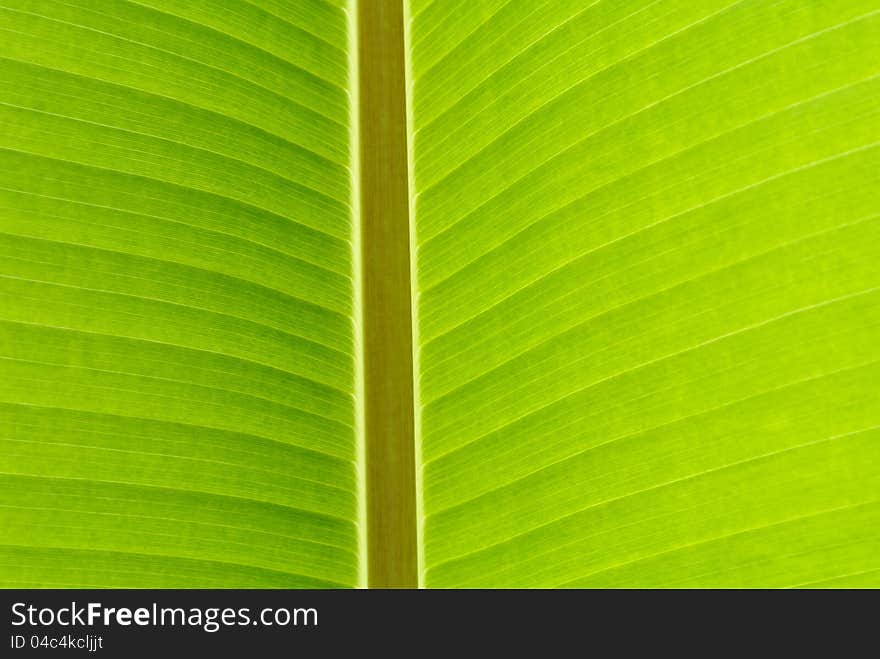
x: 282, y: 623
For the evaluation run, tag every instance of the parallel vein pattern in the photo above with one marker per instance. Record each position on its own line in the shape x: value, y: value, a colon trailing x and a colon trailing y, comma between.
x: 648, y: 291
x: 176, y: 338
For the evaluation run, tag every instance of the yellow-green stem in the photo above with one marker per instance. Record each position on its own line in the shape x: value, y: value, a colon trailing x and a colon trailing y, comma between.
x: 387, y: 309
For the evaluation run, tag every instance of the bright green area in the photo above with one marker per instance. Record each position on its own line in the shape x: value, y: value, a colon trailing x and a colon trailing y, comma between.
x: 176, y: 349
x: 649, y: 291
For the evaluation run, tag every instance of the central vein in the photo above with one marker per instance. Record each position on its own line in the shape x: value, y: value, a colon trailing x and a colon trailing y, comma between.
x: 386, y: 302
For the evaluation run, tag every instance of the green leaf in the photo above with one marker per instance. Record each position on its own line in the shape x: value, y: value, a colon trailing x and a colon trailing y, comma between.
x: 177, y: 354
x: 648, y: 292
x: 645, y: 284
